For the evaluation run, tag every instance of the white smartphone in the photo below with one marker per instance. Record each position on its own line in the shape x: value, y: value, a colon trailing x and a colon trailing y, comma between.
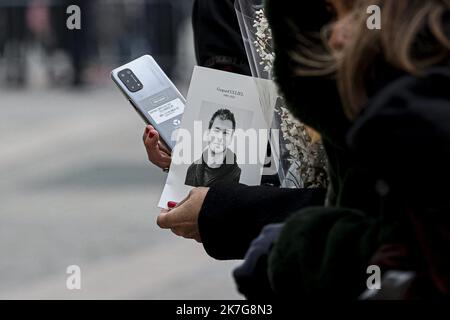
x: 152, y: 95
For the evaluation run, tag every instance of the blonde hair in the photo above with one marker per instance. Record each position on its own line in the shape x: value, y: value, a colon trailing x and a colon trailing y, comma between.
x: 414, y: 35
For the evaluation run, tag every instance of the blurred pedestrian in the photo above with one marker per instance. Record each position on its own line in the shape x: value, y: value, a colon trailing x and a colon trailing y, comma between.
x: 15, y: 34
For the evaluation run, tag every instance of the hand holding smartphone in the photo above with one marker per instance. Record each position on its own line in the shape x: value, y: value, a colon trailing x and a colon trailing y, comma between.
x: 152, y: 95
x: 157, y: 153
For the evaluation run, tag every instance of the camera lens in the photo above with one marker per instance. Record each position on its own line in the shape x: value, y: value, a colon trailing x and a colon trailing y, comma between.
x: 130, y: 80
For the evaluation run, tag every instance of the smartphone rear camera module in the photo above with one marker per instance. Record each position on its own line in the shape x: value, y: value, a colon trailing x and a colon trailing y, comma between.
x: 130, y: 80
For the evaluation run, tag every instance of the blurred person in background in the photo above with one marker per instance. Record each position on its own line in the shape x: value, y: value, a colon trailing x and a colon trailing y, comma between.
x: 167, y: 16
x: 152, y: 27
x: 81, y: 45
x: 74, y: 57
x: 43, y: 22
x: 13, y: 41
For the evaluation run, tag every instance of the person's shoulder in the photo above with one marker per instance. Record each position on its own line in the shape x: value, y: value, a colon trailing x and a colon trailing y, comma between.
x: 193, y: 167
x: 230, y: 155
x: 418, y: 94
x: 404, y: 133
x: 410, y: 103
x: 191, y: 175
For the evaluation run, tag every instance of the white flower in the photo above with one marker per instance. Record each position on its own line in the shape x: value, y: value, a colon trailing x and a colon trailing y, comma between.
x: 309, y: 159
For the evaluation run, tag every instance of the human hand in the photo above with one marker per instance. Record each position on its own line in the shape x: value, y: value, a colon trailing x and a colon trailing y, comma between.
x: 157, y: 153
x: 182, y: 218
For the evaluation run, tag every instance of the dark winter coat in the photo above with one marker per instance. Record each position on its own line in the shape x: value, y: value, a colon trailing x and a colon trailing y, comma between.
x: 386, y: 170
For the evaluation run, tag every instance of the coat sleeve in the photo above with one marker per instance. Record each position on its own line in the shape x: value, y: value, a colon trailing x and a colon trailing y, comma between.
x: 323, y: 253
x: 233, y: 215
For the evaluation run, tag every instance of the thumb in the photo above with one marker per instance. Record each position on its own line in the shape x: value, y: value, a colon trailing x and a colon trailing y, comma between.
x: 168, y: 218
x: 165, y: 219
x: 152, y: 139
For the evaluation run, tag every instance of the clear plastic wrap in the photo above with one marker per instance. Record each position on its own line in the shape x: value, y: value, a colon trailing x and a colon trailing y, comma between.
x: 296, y: 149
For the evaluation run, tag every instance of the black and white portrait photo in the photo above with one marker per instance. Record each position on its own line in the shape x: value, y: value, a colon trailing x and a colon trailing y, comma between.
x: 223, y: 135
x: 218, y: 162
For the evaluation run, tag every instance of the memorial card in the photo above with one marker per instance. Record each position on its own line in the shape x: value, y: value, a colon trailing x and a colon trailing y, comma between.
x: 223, y: 135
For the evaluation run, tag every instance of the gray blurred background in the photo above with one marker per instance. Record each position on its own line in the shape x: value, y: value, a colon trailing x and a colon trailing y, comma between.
x: 75, y: 185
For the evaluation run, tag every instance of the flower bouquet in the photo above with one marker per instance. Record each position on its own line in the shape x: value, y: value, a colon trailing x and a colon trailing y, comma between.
x: 297, y: 149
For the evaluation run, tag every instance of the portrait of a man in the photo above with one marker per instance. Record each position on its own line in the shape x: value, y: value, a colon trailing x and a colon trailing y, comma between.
x: 218, y: 162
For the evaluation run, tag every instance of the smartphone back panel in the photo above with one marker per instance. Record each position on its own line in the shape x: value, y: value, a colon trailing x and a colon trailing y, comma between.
x: 153, y: 95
